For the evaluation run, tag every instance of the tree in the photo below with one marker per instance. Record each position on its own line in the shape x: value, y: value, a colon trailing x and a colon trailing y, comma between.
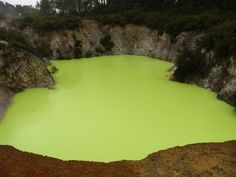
x: 25, y: 10
x: 46, y: 7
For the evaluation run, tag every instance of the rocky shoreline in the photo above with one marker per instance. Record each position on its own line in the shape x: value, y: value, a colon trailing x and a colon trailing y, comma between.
x: 19, y: 70
x: 199, y: 160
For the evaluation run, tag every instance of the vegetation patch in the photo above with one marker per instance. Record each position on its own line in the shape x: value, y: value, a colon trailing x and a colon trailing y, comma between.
x: 107, y: 43
x: 222, y: 40
x: 43, y: 24
x: 191, y: 63
x: 17, y: 40
x: 53, y: 69
x: 78, y: 49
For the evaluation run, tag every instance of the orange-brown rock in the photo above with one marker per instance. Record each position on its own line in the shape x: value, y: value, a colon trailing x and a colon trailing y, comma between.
x: 200, y: 160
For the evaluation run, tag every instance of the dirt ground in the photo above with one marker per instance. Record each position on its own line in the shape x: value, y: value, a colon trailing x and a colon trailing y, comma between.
x: 200, y: 160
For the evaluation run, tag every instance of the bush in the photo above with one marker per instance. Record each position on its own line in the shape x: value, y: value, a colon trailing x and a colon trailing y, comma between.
x: 15, y: 39
x: 88, y: 54
x: 44, y: 51
x: 43, y: 24
x: 78, y: 49
x: 53, y: 70
x: 107, y: 43
x: 221, y: 39
x: 200, y: 22
x: 99, y: 50
x: 190, y: 63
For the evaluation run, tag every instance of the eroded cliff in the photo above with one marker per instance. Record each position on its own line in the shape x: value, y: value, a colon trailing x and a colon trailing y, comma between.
x: 94, y: 39
x: 20, y: 69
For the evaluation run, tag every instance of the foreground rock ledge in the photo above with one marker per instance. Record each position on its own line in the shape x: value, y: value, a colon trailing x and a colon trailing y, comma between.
x: 200, y: 160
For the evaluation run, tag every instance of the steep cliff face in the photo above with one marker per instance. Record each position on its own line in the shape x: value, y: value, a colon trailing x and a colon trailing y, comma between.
x: 21, y: 69
x: 91, y: 39
x: 130, y: 39
x: 222, y: 79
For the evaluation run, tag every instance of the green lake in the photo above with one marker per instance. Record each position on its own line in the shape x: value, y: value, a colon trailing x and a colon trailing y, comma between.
x: 114, y: 108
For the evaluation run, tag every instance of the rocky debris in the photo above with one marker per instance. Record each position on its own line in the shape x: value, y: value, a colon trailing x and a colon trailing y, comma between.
x: 205, y: 160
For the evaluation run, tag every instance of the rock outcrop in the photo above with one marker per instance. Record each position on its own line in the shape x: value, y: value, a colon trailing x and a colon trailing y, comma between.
x: 200, y: 160
x: 130, y: 39
x: 222, y: 79
x: 20, y: 69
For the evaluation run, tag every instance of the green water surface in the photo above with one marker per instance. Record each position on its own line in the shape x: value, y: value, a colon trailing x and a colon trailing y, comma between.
x: 114, y: 108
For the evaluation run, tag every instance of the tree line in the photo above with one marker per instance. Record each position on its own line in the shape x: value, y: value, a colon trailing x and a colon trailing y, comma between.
x: 81, y: 7
x: 88, y: 7
x: 85, y: 7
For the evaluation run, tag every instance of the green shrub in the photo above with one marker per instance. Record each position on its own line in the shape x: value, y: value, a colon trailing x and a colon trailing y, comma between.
x: 178, y: 24
x: 25, y: 22
x: 107, y: 43
x: 100, y: 50
x: 15, y: 39
x: 53, y: 69
x: 44, y: 51
x: 88, y: 54
x: 43, y: 24
x: 190, y: 63
x: 221, y: 39
x: 78, y: 49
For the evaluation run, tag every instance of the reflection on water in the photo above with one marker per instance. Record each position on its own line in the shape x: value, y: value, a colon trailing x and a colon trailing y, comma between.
x: 114, y: 108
